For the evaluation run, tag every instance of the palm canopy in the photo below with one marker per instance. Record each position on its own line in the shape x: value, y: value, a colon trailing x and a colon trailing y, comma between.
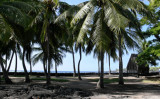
x: 104, y: 16
x: 12, y: 14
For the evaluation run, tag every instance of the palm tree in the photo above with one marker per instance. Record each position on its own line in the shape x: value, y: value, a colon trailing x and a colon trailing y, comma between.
x: 109, y: 60
x: 28, y: 56
x: 116, y: 15
x: 15, y: 72
x: 74, y: 66
x: 80, y: 54
x: 15, y: 17
x: 3, y: 51
x: 10, y: 62
x: 48, y: 14
x: 40, y: 56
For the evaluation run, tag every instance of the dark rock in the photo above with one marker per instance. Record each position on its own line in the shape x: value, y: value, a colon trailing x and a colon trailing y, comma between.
x: 3, y: 94
x: 83, y: 93
x: 2, y: 87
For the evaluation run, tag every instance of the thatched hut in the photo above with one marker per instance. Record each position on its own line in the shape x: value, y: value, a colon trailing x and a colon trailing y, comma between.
x: 132, y: 67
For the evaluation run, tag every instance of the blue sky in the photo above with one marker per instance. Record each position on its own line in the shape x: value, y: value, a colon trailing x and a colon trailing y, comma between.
x: 88, y: 63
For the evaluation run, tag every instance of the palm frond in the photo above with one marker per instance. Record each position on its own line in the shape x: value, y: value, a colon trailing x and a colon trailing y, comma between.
x: 70, y: 12
x: 37, y: 57
x: 5, y: 30
x: 85, y: 26
x: 15, y: 15
x: 113, y: 18
x: 82, y: 13
x: 99, y: 35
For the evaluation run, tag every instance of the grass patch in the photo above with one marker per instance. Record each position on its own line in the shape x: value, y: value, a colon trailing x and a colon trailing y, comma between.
x: 107, y: 81
x: 152, y: 80
x: 2, y: 79
x: 52, y: 79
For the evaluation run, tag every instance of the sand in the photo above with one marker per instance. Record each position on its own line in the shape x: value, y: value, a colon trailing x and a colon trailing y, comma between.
x: 133, y: 88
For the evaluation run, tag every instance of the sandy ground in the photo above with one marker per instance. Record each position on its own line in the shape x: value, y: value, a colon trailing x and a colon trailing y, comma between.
x: 134, y: 88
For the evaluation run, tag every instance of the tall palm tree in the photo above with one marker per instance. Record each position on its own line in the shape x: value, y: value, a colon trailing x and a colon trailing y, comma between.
x: 80, y: 54
x: 48, y: 14
x: 116, y: 15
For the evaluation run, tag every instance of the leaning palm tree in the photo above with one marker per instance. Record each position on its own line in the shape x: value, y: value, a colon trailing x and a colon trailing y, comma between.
x: 79, y: 47
x: 4, y: 47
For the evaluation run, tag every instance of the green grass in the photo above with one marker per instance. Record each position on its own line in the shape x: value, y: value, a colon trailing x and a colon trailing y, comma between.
x: 52, y: 79
x: 2, y: 79
x: 152, y: 80
x: 107, y: 81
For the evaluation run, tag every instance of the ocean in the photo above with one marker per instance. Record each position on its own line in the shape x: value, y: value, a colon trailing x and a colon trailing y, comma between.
x: 62, y: 71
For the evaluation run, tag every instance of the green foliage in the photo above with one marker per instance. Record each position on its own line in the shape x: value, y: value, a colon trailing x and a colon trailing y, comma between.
x: 106, y: 81
x: 155, y: 69
x: 151, y: 54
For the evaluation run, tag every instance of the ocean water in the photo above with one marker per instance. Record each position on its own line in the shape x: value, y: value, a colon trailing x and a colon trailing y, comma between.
x: 61, y: 71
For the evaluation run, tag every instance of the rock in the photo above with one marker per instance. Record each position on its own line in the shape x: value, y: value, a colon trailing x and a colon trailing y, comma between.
x: 40, y: 94
x: 2, y: 87
x: 83, y: 93
x: 3, y: 94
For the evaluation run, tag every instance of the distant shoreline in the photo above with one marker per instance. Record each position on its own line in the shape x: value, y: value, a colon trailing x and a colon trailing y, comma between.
x: 64, y: 73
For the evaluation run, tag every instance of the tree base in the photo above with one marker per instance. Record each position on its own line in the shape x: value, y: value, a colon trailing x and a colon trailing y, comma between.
x: 74, y: 75
x: 8, y: 81
x: 99, y: 86
x: 27, y: 81
x: 121, y: 83
x: 79, y: 78
x: 48, y: 82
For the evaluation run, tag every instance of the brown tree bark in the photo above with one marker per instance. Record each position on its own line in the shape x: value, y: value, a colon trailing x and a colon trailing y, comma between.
x: 121, y: 82
x: 74, y: 67
x: 80, y: 53
x: 100, y: 83
x: 9, y: 66
x: 5, y: 74
x: 15, y: 72
x: 27, y: 79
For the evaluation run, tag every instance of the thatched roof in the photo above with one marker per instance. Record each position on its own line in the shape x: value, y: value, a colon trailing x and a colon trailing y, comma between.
x: 132, y: 66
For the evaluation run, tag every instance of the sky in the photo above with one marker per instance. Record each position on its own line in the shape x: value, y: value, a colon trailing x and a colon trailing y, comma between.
x: 88, y: 63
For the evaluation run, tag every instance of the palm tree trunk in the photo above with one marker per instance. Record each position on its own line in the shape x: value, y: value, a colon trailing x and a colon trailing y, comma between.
x: 5, y: 74
x: 109, y: 59
x: 80, y: 53
x: 56, y: 70
x: 121, y: 82
x: 100, y: 83
x: 30, y: 65
x: 15, y: 73
x: 44, y: 67
x: 49, y: 75
x: 74, y: 67
x: 10, y: 62
x: 6, y: 62
x: 98, y: 67
x: 49, y: 61
x: 27, y: 80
